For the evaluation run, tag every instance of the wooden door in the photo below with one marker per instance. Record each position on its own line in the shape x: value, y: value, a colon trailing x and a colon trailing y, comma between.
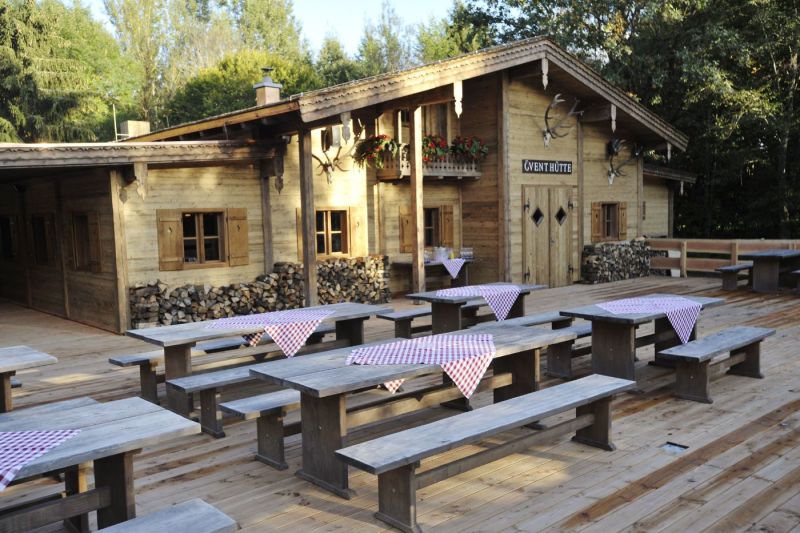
x: 547, y: 235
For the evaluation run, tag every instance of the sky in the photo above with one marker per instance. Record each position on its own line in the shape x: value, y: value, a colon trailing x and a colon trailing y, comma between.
x: 343, y: 18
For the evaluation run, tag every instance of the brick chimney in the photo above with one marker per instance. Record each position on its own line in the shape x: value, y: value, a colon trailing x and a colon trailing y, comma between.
x: 267, y: 91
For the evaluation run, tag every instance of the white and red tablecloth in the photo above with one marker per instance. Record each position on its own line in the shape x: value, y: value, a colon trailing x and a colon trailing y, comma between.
x: 18, y: 448
x: 464, y: 358
x: 289, y: 329
x: 499, y: 297
x: 682, y: 313
x: 453, y: 266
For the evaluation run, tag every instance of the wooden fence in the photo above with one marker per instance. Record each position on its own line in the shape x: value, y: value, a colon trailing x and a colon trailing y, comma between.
x: 704, y: 255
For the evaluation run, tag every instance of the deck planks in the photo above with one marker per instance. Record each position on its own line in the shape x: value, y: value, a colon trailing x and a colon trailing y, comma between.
x: 746, y: 448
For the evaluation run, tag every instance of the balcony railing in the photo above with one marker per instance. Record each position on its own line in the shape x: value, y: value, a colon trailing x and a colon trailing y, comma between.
x: 450, y: 167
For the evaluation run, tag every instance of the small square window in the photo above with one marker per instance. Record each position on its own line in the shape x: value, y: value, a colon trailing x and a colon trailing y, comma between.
x: 202, y: 237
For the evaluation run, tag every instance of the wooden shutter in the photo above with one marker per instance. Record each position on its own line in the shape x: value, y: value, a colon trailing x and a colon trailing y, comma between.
x: 238, y: 242
x: 446, y: 226
x: 94, y: 241
x: 597, y: 221
x: 406, y: 230
x: 170, y: 239
x: 623, y: 220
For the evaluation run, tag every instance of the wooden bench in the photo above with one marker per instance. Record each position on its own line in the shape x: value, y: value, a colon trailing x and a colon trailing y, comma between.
x: 395, y: 458
x: 269, y: 411
x: 693, y: 360
x: 730, y: 275
x: 403, y: 327
x: 149, y: 362
x: 195, y: 516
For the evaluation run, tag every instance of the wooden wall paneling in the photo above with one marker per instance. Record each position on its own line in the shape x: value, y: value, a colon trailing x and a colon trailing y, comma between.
x: 120, y: 252
x: 658, y: 219
x: 415, y: 158
x: 308, y: 218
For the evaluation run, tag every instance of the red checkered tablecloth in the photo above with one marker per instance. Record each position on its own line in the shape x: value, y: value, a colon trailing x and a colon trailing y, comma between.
x: 464, y: 358
x: 289, y: 329
x: 499, y: 297
x: 18, y: 448
x: 453, y: 266
x: 682, y: 313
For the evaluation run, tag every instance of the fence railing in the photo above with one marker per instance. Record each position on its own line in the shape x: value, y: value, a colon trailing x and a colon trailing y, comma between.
x: 705, y: 255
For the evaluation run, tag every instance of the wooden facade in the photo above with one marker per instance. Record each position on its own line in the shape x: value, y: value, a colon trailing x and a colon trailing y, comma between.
x: 218, y: 201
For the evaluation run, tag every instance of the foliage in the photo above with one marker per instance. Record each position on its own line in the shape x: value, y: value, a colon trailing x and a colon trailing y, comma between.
x: 384, y: 45
x: 470, y: 148
x: 375, y: 150
x: 434, y: 148
x: 333, y: 65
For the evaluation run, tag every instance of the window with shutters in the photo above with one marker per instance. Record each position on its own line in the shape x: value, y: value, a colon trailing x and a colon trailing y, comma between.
x: 43, y: 239
x: 9, y: 244
x: 438, y: 227
x: 609, y: 221
x: 202, y: 238
x: 431, y: 226
x: 85, y: 242
x: 332, y: 232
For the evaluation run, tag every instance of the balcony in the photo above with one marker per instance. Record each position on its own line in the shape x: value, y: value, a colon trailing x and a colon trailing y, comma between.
x: 451, y: 168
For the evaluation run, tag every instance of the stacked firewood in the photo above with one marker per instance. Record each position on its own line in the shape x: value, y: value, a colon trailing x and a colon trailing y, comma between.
x: 339, y: 280
x: 613, y: 261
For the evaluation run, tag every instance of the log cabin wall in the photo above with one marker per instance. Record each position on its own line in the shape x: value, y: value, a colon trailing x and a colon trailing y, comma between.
x: 656, y: 209
x: 45, y: 270
x: 348, y: 190
x: 232, y: 186
x: 482, y: 219
x: 13, y: 277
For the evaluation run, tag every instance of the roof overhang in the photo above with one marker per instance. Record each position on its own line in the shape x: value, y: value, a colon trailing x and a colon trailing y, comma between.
x: 655, y: 171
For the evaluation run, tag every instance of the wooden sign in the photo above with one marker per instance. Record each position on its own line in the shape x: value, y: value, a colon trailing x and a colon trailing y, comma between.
x: 541, y: 166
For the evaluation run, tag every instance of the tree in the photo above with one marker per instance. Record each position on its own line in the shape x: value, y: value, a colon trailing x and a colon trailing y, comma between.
x: 450, y: 36
x: 333, y: 65
x: 269, y: 25
x: 384, y: 45
x: 228, y: 86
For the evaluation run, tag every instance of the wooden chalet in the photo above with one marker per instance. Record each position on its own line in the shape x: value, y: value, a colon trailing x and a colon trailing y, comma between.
x: 220, y: 200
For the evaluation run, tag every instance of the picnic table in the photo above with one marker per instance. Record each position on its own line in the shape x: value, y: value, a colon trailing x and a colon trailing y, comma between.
x: 446, y: 308
x: 768, y: 266
x: 459, y: 281
x: 178, y: 340
x: 13, y: 359
x: 325, y: 381
x: 110, y: 434
x: 614, y: 339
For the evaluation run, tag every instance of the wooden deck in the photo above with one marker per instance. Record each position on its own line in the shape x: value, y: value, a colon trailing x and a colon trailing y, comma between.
x: 740, y: 470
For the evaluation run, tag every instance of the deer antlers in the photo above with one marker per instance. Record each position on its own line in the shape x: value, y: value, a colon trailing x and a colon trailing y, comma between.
x: 329, y: 165
x: 551, y: 132
x: 613, y: 149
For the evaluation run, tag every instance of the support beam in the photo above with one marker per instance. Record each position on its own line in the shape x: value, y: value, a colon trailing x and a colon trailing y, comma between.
x: 418, y: 222
x: 120, y: 250
x: 307, y: 216
x: 268, y: 168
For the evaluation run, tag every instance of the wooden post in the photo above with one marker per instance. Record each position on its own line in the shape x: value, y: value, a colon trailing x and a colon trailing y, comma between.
x: 734, y: 252
x: 116, y: 473
x: 75, y: 483
x: 581, y: 192
x: 639, y: 196
x: 59, y: 223
x: 418, y: 222
x: 266, y: 224
x: 120, y: 251
x: 503, y: 243
x: 684, y: 247
x: 307, y: 215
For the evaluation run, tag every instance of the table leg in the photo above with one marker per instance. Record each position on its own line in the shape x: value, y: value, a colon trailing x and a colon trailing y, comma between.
x: 613, y: 349
x: 177, y: 364
x: 116, y: 473
x: 445, y: 317
x: 766, y: 273
x: 351, y: 330
x: 665, y: 329
x: 518, y: 309
x: 324, y: 431
x: 6, y: 403
x: 462, y: 280
x: 525, y: 372
x: 75, y: 483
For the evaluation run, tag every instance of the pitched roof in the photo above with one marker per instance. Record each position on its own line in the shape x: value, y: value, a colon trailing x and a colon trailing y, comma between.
x: 330, y: 102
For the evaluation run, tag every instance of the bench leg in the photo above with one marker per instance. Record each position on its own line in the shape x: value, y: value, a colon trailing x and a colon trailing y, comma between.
x: 559, y: 360
x: 524, y: 368
x: 662, y: 326
x: 270, y: 440
x: 75, y: 483
x: 691, y: 381
x: 751, y: 366
x: 210, y: 416
x: 402, y: 329
x: 116, y: 473
x: 599, y: 433
x: 730, y: 281
x: 397, y: 499
x: 6, y: 403
x: 148, y: 382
